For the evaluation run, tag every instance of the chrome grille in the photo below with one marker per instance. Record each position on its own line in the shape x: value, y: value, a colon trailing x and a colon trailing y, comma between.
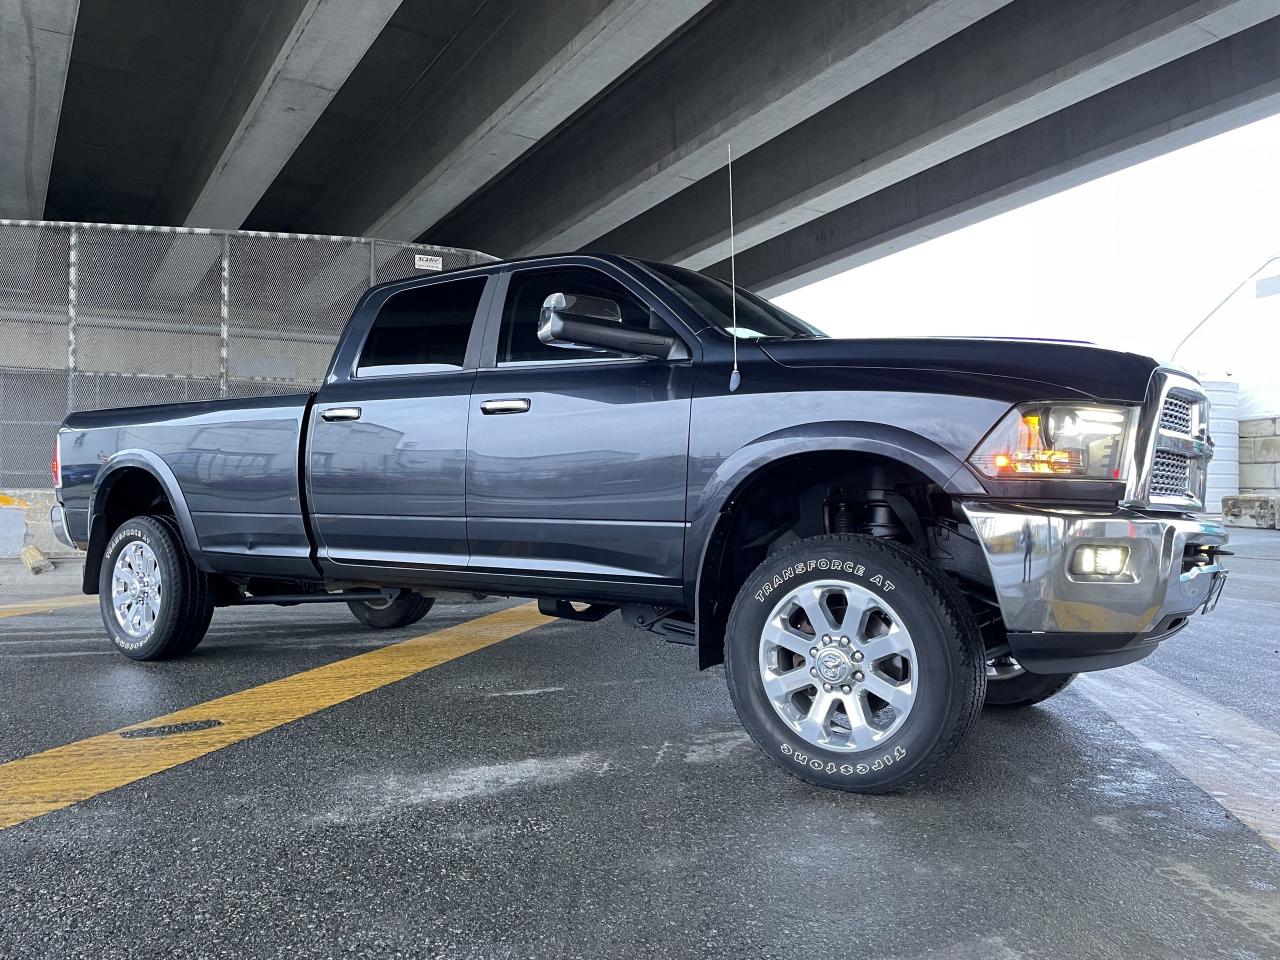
x: 1175, y: 415
x: 1174, y: 446
x: 1170, y: 475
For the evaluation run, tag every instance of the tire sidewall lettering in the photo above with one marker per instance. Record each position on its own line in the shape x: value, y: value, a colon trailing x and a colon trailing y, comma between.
x: 822, y: 565
x: 125, y: 534
x: 844, y: 768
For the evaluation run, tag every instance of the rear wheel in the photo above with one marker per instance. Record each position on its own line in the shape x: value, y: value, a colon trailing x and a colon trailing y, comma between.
x: 155, y: 602
x: 400, y: 611
x: 1010, y: 687
x: 853, y: 663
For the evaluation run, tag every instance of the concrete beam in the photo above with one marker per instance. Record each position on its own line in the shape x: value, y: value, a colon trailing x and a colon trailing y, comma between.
x: 1050, y: 55
x: 35, y: 51
x: 497, y: 91
x: 743, y: 74
x: 285, y: 62
x: 1225, y: 85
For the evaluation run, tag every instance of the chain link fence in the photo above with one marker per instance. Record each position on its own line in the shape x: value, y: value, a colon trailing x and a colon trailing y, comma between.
x: 97, y: 315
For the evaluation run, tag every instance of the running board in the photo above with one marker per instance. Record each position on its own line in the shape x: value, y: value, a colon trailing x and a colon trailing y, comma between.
x: 289, y: 599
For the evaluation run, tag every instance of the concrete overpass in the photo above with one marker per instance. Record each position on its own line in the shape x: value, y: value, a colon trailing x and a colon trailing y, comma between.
x: 544, y: 125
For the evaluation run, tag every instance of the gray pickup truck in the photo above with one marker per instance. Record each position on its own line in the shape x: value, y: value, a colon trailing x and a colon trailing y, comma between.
x: 874, y: 536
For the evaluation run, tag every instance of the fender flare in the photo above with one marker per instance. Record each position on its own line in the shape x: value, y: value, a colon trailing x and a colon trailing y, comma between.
x: 152, y: 464
x: 738, y: 469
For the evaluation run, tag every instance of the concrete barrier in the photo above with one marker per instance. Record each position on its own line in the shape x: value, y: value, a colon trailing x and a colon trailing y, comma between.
x: 1260, y: 456
x: 24, y: 521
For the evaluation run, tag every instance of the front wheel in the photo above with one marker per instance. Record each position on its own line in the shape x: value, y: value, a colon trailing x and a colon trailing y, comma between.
x: 400, y: 611
x: 1010, y: 687
x: 853, y: 663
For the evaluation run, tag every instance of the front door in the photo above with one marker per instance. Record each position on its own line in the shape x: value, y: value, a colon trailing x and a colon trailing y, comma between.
x: 577, y: 460
x: 388, y: 445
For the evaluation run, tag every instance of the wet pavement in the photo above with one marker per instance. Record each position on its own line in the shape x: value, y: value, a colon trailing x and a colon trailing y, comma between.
x: 581, y: 790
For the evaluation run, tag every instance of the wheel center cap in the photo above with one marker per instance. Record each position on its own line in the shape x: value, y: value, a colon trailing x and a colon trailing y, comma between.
x: 833, y: 665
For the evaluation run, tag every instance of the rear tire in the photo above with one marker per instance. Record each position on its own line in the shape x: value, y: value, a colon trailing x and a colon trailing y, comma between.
x: 155, y: 603
x: 1009, y: 687
x: 406, y: 609
x: 889, y: 682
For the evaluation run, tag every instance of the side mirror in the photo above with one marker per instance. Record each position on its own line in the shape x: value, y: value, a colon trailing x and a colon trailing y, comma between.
x: 592, y: 323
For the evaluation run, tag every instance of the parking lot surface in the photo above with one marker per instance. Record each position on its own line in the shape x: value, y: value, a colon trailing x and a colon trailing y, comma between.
x: 581, y: 790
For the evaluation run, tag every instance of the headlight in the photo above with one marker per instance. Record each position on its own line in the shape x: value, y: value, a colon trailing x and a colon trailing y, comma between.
x: 1042, y: 440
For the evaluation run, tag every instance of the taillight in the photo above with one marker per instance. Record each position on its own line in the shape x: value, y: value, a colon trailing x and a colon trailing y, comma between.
x: 55, y: 466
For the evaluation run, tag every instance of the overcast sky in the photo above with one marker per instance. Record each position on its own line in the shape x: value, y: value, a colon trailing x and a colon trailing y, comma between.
x: 1132, y: 260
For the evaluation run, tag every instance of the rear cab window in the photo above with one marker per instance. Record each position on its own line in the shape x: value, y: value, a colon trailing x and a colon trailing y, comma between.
x: 422, y: 330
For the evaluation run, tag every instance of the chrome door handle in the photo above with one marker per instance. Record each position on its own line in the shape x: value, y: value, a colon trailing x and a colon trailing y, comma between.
x: 337, y: 414
x: 520, y: 405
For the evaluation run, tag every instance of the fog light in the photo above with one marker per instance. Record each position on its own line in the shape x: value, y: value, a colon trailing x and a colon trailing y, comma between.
x: 1092, y: 560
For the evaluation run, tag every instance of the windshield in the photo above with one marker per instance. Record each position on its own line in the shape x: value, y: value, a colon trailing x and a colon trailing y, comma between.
x: 757, y: 317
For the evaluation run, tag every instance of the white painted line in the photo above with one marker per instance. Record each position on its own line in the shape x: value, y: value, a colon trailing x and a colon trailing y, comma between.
x: 1228, y: 756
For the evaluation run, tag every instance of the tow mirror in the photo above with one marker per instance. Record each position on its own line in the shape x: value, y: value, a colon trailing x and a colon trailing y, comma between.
x: 574, y: 322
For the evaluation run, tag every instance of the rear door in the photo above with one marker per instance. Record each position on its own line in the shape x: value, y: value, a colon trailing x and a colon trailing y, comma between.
x: 388, y: 434
x: 577, y: 461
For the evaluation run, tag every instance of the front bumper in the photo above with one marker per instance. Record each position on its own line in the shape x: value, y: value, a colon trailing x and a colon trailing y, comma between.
x: 1061, y: 623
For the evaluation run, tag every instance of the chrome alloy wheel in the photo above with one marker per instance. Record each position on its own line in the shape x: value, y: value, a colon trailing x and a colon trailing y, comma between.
x: 137, y: 589
x: 838, y: 665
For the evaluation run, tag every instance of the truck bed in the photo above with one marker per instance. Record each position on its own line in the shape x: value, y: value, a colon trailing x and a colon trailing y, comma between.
x: 231, y: 465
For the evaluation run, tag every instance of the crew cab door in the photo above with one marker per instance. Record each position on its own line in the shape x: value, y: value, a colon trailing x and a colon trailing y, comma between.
x: 577, y: 460
x: 388, y: 433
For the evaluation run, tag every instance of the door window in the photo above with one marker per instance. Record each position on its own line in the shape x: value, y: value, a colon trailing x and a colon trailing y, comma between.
x: 423, y: 329
x: 518, y: 336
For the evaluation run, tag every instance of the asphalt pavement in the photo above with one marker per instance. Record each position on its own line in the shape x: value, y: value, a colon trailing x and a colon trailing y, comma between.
x: 581, y: 790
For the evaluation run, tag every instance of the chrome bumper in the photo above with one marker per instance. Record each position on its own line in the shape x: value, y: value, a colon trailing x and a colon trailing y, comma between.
x: 58, y: 518
x: 1029, y: 549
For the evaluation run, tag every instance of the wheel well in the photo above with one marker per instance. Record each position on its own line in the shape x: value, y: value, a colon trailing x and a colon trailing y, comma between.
x: 808, y: 495
x: 128, y: 492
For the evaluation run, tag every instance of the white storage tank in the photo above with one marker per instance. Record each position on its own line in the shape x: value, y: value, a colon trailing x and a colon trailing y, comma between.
x: 1224, y: 428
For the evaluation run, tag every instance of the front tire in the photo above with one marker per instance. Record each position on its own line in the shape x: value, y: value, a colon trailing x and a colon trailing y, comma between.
x: 154, y: 601
x: 853, y: 663
x: 406, y: 609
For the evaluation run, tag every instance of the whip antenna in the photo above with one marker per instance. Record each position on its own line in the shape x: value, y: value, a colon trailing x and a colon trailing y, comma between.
x: 735, y: 378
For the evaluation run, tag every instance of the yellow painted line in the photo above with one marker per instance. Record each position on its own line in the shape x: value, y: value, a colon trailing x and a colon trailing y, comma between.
x: 8, y: 501
x: 46, y: 605
x: 35, y: 785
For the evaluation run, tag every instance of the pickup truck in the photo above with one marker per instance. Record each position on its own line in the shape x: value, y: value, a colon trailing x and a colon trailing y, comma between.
x: 874, y: 536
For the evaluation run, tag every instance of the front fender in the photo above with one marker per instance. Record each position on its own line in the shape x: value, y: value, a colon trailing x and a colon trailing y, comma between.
x: 854, y: 436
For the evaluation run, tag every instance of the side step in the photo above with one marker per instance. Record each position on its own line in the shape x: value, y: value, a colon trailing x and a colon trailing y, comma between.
x: 670, y: 623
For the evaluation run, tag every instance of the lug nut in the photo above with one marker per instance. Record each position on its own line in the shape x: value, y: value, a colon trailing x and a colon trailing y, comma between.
x: 844, y: 641
x: 827, y: 687
x: 813, y: 671
x: 846, y: 689
x: 857, y: 655
x: 858, y: 676
x: 813, y: 652
x: 826, y: 638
